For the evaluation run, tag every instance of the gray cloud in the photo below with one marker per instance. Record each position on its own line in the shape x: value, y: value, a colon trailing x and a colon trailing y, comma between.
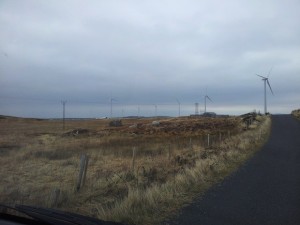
x: 147, y: 53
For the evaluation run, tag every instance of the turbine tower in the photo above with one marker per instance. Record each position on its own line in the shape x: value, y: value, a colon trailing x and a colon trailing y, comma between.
x: 155, y: 106
x: 111, y: 106
x: 178, y: 107
x: 64, y: 106
x: 196, y: 108
x: 206, y: 97
x: 266, y: 81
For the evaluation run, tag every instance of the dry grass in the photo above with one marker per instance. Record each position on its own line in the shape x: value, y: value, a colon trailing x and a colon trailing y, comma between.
x: 296, y: 113
x: 173, y: 163
x: 141, y: 206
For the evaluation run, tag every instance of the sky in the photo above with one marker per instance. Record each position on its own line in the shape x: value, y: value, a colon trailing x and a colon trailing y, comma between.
x: 127, y: 58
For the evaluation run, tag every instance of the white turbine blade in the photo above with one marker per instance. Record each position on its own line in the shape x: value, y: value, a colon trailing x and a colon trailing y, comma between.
x: 270, y: 86
x: 209, y: 98
x: 260, y: 76
x: 270, y: 72
x: 113, y: 99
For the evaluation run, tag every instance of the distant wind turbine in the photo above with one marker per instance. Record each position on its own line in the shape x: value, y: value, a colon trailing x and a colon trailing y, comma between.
x: 178, y: 107
x: 206, y: 97
x: 111, y: 103
x: 155, y: 110
x: 139, y: 111
x: 64, y: 106
x: 266, y: 81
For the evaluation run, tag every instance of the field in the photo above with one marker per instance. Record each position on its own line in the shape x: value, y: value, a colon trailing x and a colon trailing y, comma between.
x: 138, y: 173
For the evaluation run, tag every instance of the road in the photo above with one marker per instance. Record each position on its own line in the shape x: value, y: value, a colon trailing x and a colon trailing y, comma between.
x: 265, y: 190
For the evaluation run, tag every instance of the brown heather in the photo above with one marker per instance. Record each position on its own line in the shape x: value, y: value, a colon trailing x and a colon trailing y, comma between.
x: 173, y: 163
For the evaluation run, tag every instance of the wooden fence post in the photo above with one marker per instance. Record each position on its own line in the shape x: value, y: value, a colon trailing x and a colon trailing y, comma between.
x: 191, y: 146
x: 169, y: 152
x: 82, y: 171
x: 260, y: 133
x: 85, y: 170
x: 208, y: 140
x: 133, y: 159
x: 54, y: 197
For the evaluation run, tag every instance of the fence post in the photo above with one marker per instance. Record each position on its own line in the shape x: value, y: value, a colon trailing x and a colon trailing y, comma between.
x: 191, y: 147
x: 208, y: 140
x: 85, y: 170
x: 169, y: 152
x: 133, y: 159
x: 260, y: 133
x: 220, y: 137
x: 54, y: 197
x: 82, y: 171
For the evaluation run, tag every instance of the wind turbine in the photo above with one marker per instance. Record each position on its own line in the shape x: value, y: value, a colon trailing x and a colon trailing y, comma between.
x: 178, y: 107
x: 266, y: 81
x: 155, y: 106
x: 111, y: 103
x: 206, y: 97
x: 139, y: 109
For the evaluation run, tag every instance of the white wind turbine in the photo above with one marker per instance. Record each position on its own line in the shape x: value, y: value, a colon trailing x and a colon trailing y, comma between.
x: 206, y: 97
x: 266, y: 81
x: 178, y: 107
x: 111, y: 106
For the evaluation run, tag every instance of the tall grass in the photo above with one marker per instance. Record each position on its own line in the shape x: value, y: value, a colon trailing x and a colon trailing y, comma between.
x: 150, y: 205
x: 296, y: 113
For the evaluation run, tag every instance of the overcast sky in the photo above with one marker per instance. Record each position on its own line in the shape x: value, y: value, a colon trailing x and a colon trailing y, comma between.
x: 146, y: 53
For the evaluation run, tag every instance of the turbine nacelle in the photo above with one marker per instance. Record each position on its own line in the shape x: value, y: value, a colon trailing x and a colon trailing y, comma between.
x: 266, y: 79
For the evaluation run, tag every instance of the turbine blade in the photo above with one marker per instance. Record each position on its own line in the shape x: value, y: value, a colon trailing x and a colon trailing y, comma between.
x: 209, y: 98
x: 261, y: 76
x: 270, y: 86
x: 270, y: 72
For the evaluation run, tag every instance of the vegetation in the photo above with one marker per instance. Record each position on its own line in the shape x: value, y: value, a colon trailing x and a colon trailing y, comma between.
x: 296, y: 113
x: 172, y: 163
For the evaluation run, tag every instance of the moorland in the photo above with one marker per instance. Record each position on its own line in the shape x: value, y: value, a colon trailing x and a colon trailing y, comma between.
x: 140, y: 171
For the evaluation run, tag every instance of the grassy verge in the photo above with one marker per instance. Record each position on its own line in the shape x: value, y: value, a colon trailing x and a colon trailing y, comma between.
x: 296, y: 113
x: 151, y: 205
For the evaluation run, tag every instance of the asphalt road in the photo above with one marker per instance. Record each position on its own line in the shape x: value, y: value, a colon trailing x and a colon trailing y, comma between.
x: 266, y: 190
